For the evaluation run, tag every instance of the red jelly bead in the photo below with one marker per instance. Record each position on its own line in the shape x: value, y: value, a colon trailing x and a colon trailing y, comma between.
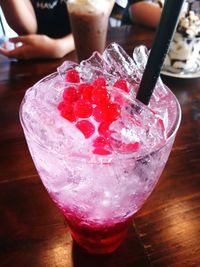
x: 109, y: 113
x: 100, y: 141
x: 70, y: 94
x: 102, y: 151
x: 72, y: 76
x: 86, y: 127
x: 68, y: 114
x: 100, y: 96
x: 66, y: 111
x: 61, y: 105
x: 65, y: 106
x: 122, y: 84
x: 98, y: 113
x: 100, y: 81
x: 112, y: 112
x: 103, y: 128
x: 85, y: 91
x: 83, y: 109
x: 101, y: 146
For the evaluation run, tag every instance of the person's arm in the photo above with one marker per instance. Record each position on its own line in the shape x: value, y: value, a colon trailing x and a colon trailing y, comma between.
x: 20, y: 15
x: 145, y: 13
x: 39, y: 46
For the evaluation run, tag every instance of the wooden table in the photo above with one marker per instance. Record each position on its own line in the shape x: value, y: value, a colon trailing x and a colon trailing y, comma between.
x: 33, y: 232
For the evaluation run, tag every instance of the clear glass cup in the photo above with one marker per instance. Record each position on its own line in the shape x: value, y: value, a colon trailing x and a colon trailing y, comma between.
x: 89, y: 23
x: 98, y: 197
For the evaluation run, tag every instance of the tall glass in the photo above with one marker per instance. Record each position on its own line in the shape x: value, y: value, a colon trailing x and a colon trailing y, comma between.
x: 89, y: 23
x: 97, y: 193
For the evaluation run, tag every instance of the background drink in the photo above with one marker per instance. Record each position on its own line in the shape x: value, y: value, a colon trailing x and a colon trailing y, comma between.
x: 98, y: 194
x: 184, y: 51
x: 89, y: 22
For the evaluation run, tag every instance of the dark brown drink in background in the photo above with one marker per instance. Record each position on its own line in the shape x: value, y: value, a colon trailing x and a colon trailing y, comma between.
x: 89, y: 25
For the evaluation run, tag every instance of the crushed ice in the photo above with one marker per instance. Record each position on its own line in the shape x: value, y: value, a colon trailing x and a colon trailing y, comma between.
x: 113, y: 64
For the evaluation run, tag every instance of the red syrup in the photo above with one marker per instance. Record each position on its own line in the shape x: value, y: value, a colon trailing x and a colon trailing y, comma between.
x: 97, y: 239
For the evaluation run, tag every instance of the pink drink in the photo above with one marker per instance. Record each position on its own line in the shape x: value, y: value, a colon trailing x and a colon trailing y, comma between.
x: 97, y: 184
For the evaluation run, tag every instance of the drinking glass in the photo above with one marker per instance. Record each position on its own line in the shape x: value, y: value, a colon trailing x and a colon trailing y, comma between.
x: 98, y: 194
x: 89, y: 23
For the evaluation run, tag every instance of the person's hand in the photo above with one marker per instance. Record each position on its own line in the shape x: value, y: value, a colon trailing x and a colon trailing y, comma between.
x: 34, y: 46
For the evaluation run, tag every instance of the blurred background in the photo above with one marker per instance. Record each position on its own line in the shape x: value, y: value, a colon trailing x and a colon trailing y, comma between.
x: 5, y: 29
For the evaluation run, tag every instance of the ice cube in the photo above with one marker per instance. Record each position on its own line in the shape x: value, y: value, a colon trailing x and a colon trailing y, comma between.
x: 138, y: 129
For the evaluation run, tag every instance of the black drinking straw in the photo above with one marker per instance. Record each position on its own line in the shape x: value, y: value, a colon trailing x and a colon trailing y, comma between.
x: 164, y: 33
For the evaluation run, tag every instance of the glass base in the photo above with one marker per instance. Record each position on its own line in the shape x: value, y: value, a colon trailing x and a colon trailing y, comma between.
x: 99, y: 240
